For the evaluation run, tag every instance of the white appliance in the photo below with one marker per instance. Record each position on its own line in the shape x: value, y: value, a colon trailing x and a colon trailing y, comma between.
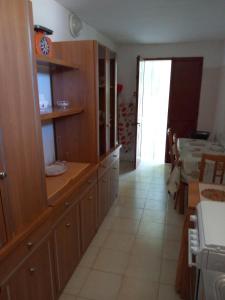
x: 207, y: 250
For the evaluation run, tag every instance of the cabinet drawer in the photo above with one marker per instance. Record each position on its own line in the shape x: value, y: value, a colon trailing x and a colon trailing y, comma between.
x: 88, y: 183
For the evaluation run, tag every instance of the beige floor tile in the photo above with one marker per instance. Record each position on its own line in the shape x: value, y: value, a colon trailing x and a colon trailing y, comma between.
x: 145, y: 246
x: 108, y: 221
x: 89, y: 257
x: 111, y: 261
x: 168, y: 271
x: 77, y: 280
x: 167, y: 292
x: 171, y: 249
x: 155, y: 205
x: 125, y: 225
x: 144, y: 267
x: 173, y: 232
x: 154, y: 216
x: 173, y: 218
x: 119, y: 241
x: 101, y: 286
x: 134, y: 289
x: 150, y: 229
x: 100, y: 237
x: 67, y: 297
x: 132, y: 202
x: 133, y: 193
x: 126, y: 212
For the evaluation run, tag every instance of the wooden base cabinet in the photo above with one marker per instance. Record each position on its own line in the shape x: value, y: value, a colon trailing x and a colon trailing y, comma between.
x: 114, y: 180
x: 88, y: 209
x: 103, y: 196
x: 35, y: 278
x: 67, y: 246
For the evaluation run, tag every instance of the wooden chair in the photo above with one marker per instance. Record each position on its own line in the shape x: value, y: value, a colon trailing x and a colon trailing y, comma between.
x: 185, y: 178
x: 170, y: 145
x: 218, y: 167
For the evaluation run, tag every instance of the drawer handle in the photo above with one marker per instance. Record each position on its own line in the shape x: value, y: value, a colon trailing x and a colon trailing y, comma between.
x: 114, y: 155
x: 90, y: 198
x: 32, y: 270
x: 68, y: 225
x: 114, y: 168
x: 30, y: 245
x: 67, y: 203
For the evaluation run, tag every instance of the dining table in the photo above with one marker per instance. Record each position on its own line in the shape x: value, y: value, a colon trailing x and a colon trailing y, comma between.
x: 190, y: 155
x: 191, y: 150
x: 185, y: 276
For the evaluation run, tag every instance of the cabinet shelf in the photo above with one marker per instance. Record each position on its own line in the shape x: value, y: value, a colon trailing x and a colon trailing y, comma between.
x: 54, y: 62
x: 54, y: 113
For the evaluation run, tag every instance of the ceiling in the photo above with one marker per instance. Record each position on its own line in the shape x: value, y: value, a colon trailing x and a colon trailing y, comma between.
x: 153, y: 21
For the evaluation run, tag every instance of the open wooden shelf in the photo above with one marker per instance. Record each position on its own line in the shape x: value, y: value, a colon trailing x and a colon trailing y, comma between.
x: 54, y: 113
x: 54, y: 62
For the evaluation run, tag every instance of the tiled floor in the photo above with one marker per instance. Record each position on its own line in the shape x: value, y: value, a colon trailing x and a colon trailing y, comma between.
x: 134, y: 254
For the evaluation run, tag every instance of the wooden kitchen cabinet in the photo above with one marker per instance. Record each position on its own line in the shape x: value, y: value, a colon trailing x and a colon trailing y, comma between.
x: 103, y: 196
x: 35, y: 278
x: 3, y: 237
x: 67, y: 246
x: 88, y: 209
x: 114, y: 180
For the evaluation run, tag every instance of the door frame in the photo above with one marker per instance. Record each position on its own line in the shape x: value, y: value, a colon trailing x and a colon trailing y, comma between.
x: 172, y: 58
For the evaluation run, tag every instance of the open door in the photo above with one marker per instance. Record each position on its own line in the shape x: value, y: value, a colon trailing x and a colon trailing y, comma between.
x: 185, y: 88
x: 139, y: 106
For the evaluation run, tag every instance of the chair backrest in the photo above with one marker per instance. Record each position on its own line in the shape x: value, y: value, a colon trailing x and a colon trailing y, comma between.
x: 175, y: 148
x: 218, y: 167
x: 170, y: 144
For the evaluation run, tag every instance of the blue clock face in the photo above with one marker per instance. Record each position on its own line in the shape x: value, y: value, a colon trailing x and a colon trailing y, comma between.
x: 44, y: 46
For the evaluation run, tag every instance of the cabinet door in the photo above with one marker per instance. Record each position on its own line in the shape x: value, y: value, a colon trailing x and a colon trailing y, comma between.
x: 67, y: 246
x: 19, y: 117
x: 88, y: 207
x: 103, y: 196
x: 114, y: 181
x: 2, y: 222
x: 35, y: 279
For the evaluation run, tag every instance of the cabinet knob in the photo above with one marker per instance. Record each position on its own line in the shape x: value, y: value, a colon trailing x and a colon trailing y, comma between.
x: 3, y: 175
x: 29, y: 245
x: 68, y: 225
x: 67, y: 203
x: 103, y: 166
x: 114, y: 168
x: 89, y: 181
x: 114, y: 155
x: 90, y: 198
x: 32, y: 270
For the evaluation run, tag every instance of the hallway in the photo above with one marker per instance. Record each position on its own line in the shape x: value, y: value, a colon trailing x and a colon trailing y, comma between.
x: 135, y: 252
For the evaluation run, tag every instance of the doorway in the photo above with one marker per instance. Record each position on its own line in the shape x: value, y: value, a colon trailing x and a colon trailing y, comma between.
x: 168, y: 94
x: 155, y: 110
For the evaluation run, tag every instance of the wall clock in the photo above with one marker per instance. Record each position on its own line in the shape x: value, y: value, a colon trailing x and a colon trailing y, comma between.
x: 43, y: 44
x: 75, y: 25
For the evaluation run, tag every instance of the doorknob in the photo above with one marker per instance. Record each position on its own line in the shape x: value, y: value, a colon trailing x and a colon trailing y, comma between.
x: 3, y: 175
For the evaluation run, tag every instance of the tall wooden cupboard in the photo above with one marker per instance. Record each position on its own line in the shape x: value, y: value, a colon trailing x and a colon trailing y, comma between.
x: 46, y: 224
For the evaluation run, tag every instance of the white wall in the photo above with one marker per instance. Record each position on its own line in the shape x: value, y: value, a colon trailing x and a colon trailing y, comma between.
x: 51, y: 14
x: 220, y: 109
x: 212, y: 53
